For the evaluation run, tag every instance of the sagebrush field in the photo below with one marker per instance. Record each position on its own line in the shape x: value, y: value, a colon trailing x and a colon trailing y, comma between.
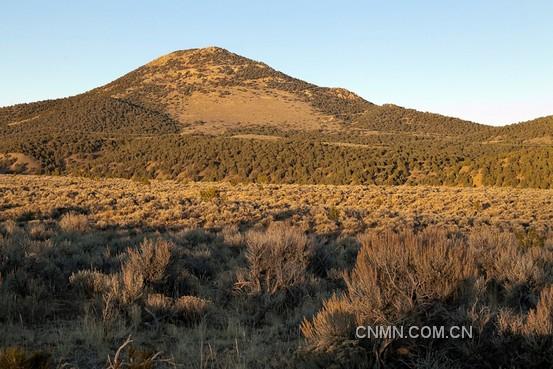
x: 147, y: 274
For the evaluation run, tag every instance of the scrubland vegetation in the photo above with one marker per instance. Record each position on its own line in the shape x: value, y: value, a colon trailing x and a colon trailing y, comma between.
x: 215, y: 238
x: 143, y: 125
x: 162, y: 274
x: 294, y: 157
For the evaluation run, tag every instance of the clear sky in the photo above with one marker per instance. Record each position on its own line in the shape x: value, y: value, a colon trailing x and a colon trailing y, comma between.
x: 489, y: 61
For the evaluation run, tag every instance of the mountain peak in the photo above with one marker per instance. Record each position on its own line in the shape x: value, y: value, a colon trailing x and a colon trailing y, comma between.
x: 222, y: 88
x: 208, y: 50
x: 211, y: 55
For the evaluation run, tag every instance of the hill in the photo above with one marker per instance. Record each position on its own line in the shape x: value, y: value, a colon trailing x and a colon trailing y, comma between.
x: 209, y: 114
x: 395, y: 118
x: 538, y: 132
x: 211, y: 88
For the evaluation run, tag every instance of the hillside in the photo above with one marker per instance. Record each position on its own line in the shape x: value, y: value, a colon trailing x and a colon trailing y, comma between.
x: 212, y: 88
x: 209, y: 114
x: 537, y: 132
x: 395, y: 118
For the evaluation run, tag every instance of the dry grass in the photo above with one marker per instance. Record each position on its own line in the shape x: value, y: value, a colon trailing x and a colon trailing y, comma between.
x: 113, y: 202
x: 72, y: 222
x: 18, y: 358
x: 262, y: 276
x: 19, y: 163
x: 432, y: 278
x: 247, y: 108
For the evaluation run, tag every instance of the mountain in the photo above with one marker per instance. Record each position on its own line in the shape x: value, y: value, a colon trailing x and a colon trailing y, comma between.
x: 209, y: 114
x: 212, y: 89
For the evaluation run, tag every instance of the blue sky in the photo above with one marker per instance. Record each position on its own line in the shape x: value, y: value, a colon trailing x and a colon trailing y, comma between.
x: 489, y: 61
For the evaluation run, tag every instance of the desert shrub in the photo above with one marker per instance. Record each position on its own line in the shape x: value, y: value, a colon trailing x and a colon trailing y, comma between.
x: 38, y: 231
x: 143, y: 271
x: 232, y: 236
x: 180, y: 280
x: 150, y: 260
x: 196, y: 236
x: 90, y: 282
x: 19, y: 358
x: 129, y: 286
x: 73, y: 222
x: 9, y: 227
x: 332, y: 257
x: 190, y: 309
x: 513, y: 275
x: 540, y: 319
x: 394, y: 275
x: 335, y: 322
x: 186, y: 309
x: 278, y: 260
x: 530, y: 238
x: 209, y: 193
x: 333, y: 214
x: 433, y: 278
x: 538, y: 322
x: 144, y: 268
x: 143, y: 180
x: 130, y: 356
x: 159, y: 304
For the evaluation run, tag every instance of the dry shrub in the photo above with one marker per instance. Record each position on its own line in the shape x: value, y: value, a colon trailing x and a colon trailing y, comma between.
x: 278, y: 259
x: 91, y: 282
x: 530, y: 238
x: 514, y: 275
x: 209, y: 193
x: 144, y: 269
x: 130, y: 284
x: 232, y: 236
x: 188, y: 309
x: 432, y: 279
x: 10, y: 227
x: 394, y: 275
x: 158, y: 304
x: 538, y: 322
x: 335, y: 322
x: 38, y: 231
x: 540, y: 319
x: 333, y: 214
x: 150, y: 261
x: 129, y: 356
x: 19, y: 358
x: 74, y: 222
